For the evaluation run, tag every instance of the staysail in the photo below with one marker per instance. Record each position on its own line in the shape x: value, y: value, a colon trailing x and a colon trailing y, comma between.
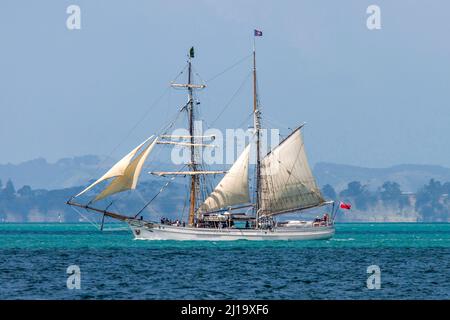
x: 125, y: 172
x: 233, y: 188
x: 287, y: 183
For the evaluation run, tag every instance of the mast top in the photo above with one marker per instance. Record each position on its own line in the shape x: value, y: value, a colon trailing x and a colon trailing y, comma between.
x: 189, y: 85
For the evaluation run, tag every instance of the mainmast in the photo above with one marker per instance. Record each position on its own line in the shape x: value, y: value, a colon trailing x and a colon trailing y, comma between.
x: 257, y: 126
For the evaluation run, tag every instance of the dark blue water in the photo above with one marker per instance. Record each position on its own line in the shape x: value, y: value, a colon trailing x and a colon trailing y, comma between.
x: 414, y: 260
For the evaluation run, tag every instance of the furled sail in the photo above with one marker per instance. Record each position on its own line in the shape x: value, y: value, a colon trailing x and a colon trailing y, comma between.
x: 233, y: 188
x: 125, y: 172
x: 287, y: 183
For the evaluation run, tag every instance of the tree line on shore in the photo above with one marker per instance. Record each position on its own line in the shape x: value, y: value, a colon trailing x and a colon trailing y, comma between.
x: 431, y: 201
x: 27, y: 204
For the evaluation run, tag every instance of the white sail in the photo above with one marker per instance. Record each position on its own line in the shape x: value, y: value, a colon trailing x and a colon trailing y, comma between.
x: 126, y: 172
x: 287, y: 183
x: 233, y: 188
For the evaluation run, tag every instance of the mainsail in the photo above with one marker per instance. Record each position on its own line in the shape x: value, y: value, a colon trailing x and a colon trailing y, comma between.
x: 125, y: 172
x: 287, y: 183
x: 233, y: 188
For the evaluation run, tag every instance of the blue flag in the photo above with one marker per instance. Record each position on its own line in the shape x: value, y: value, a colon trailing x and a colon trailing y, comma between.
x: 258, y: 33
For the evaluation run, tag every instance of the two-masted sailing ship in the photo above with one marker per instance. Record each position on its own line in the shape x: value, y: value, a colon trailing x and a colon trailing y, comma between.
x: 281, y: 183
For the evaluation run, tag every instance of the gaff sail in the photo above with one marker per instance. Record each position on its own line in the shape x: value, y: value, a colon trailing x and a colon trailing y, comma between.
x: 287, y: 183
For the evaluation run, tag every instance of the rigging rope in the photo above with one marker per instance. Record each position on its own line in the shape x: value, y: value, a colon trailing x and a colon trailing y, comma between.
x: 231, y: 100
x: 156, y: 195
x: 145, y: 201
x: 142, y: 118
x: 168, y: 127
x: 133, y: 128
x: 181, y: 72
x: 85, y: 218
x: 229, y: 68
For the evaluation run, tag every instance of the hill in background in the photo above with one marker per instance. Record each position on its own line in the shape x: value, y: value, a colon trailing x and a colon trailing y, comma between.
x: 77, y: 171
x: 65, y: 173
x: 410, y: 177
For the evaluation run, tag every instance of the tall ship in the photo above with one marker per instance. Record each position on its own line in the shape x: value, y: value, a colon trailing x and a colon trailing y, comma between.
x: 250, y: 202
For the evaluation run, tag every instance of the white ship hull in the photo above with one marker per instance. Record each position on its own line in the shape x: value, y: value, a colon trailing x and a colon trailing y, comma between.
x: 150, y: 231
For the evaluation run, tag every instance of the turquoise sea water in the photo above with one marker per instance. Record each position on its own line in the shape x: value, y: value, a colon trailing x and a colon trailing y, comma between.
x: 414, y: 260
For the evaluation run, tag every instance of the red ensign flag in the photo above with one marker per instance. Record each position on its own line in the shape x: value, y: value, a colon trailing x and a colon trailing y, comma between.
x: 346, y: 206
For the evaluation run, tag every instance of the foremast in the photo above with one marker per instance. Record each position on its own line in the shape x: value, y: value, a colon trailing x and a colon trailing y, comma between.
x: 193, y: 165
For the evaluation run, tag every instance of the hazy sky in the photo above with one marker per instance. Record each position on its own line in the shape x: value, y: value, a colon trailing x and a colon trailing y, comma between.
x: 370, y: 98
